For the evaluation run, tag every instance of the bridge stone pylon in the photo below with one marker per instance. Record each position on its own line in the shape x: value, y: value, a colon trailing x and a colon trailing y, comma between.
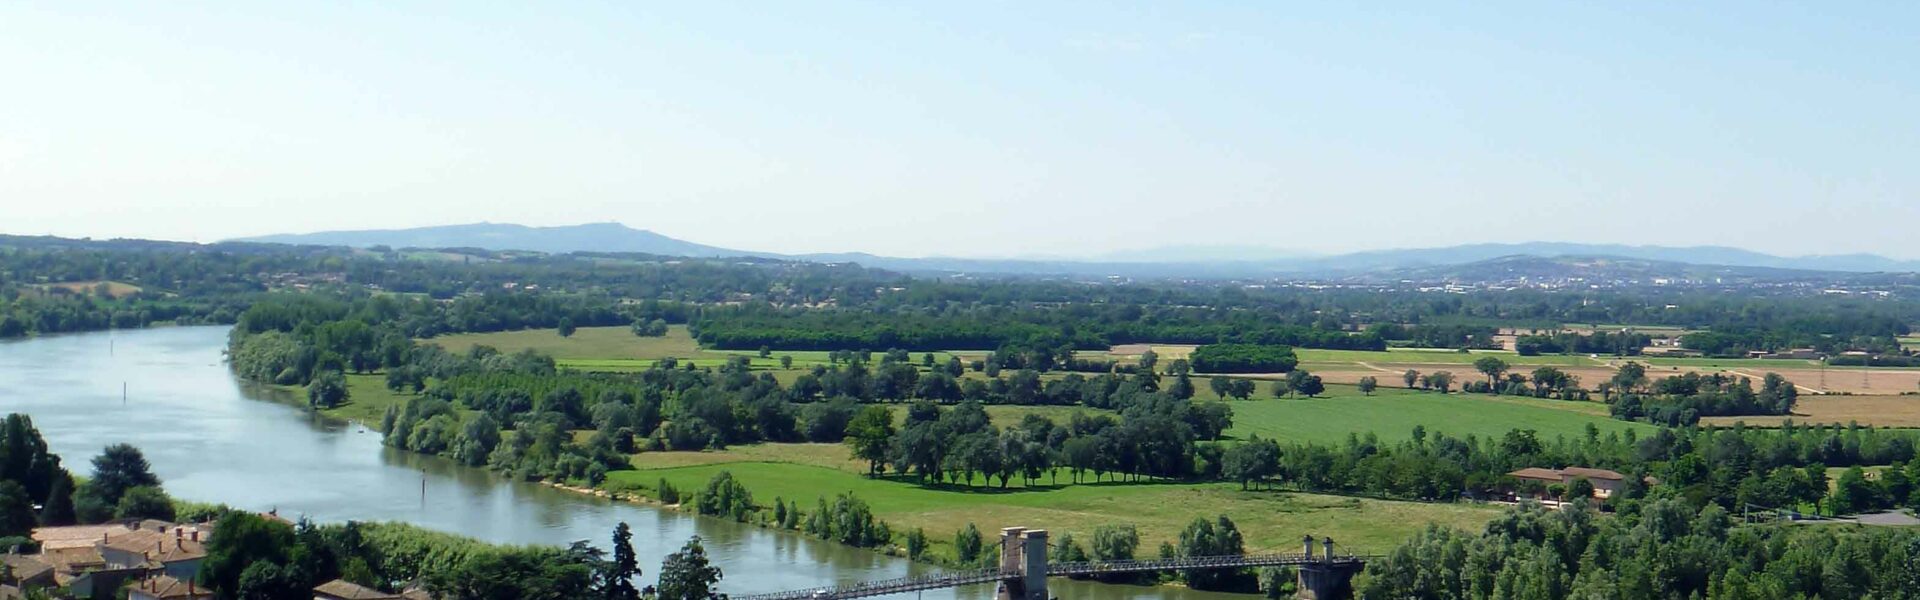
x: 1023, y: 560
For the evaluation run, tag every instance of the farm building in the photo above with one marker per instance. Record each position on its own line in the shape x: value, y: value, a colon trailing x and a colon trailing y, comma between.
x: 1605, y: 483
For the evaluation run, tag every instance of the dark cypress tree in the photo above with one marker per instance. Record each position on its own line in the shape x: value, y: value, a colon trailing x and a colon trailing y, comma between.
x: 624, y: 567
x: 58, y: 509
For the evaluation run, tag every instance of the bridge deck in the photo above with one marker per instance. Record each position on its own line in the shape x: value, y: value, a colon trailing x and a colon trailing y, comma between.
x: 934, y: 581
x: 900, y: 585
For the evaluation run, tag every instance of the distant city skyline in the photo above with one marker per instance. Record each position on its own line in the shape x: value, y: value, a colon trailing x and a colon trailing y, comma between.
x: 984, y: 130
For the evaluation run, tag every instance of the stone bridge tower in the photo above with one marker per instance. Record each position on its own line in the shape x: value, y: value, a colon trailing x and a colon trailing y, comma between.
x: 1326, y: 579
x: 1023, y: 555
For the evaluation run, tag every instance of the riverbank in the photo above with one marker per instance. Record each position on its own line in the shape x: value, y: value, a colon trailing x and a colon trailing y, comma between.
x: 806, y: 473
x: 212, y: 438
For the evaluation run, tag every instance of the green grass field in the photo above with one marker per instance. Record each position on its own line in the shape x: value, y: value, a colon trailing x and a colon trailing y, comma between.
x: 1271, y: 521
x: 1392, y: 413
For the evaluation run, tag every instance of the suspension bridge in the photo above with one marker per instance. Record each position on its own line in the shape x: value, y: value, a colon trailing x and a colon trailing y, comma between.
x: 1024, y: 569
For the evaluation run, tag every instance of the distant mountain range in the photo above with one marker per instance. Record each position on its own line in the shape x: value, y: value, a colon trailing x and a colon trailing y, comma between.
x: 1182, y: 261
x: 593, y: 237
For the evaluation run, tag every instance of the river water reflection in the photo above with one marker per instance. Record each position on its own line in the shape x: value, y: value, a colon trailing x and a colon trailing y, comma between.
x: 212, y: 438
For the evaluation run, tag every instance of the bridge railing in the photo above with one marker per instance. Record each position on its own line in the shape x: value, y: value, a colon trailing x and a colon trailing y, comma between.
x: 888, y: 586
x: 1193, y: 562
x: 960, y: 578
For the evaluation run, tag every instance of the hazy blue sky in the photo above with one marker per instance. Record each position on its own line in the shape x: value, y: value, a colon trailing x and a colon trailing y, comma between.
x: 974, y: 128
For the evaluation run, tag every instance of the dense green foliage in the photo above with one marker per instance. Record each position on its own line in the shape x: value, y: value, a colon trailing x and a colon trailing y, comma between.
x: 1683, y: 399
x: 1242, y: 358
x: 1667, y: 549
x: 1599, y: 342
x: 1083, y: 327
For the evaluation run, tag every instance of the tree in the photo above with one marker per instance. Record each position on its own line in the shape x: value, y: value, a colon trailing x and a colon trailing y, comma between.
x: 1252, y: 461
x: 1580, y: 488
x: 967, y: 544
x: 624, y: 567
x: 144, y: 502
x: 687, y: 574
x: 1148, y: 359
x: 1214, y: 538
x: 1240, y: 389
x: 118, y: 468
x: 1115, y: 542
x: 1411, y: 377
x: 1310, y: 385
x: 1630, y: 378
x: 1492, y: 367
x: 1368, y: 384
x: 1182, y: 386
x: 1442, y: 380
x: 916, y: 543
x: 58, y: 509
x: 271, y: 581
x: 24, y: 458
x: 786, y: 361
x: 16, y: 510
x: 241, y: 539
x: 870, y: 434
x: 566, y: 327
x: 1067, y: 550
x: 1852, y: 493
x: 1281, y: 388
x: 1279, y: 582
x: 327, y: 390
x: 1551, y: 379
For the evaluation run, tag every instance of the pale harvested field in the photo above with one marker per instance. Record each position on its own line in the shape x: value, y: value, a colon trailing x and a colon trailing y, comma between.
x: 1880, y: 411
x: 1852, y: 381
x: 1812, y: 380
x: 1166, y: 352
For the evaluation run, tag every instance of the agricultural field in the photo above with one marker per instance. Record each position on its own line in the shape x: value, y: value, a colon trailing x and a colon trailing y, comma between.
x: 1422, y: 356
x: 113, y: 289
x: 616, y: 349
x: 1272, y: 521
x: 1393, y: 413
x: 587, y: 342
x: 1880, y: 411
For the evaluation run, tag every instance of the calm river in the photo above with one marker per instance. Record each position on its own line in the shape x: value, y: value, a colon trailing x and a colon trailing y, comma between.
x: 212, y: 438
